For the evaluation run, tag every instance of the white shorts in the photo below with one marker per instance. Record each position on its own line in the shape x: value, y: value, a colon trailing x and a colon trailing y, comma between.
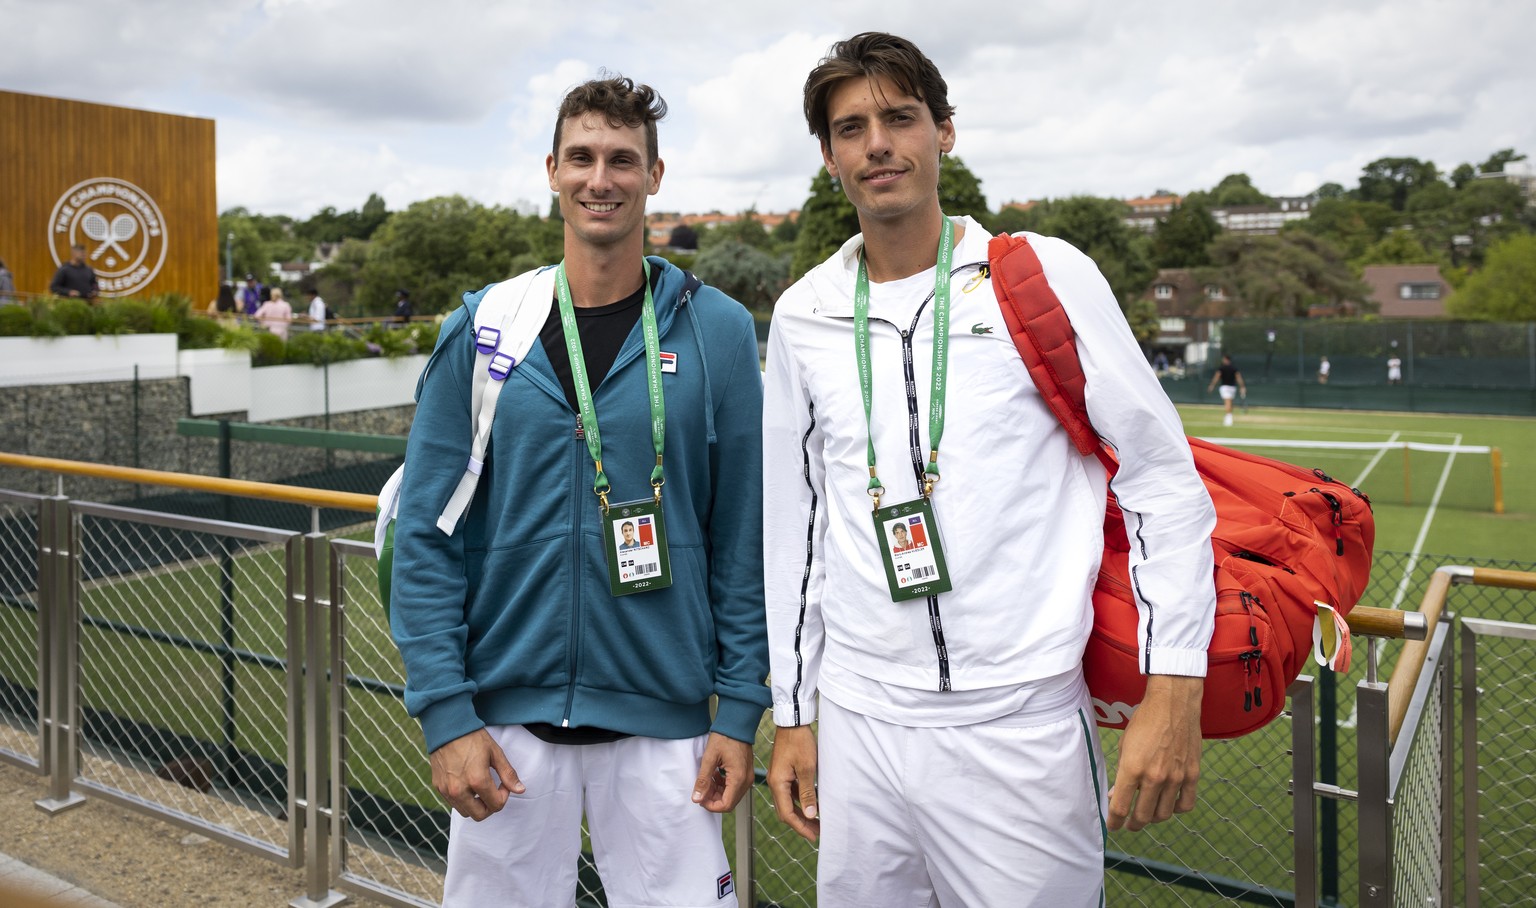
x: 1007, y: 812
x: 653, y: 846
x: 1228, y: 391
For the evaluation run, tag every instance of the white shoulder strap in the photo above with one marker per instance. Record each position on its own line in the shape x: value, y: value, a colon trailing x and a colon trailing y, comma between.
x: 507, y: 324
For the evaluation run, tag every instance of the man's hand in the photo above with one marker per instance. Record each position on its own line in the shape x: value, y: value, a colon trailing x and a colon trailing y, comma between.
x: 1159, y: 755
x: 725, y: 774
x: 792, y: 779
x: 462, y: 772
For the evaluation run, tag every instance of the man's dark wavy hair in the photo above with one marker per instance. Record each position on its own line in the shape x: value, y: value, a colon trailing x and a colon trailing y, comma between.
x: 870, y: 55
x: 621, y: 102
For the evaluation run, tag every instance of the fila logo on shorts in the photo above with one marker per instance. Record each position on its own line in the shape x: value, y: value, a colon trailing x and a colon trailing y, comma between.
x: 724, y: 886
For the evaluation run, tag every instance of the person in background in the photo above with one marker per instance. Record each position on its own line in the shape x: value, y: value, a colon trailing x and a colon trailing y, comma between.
x: 1231, y: 382
x: 1323, y: 368
x: 403, y: 308
x: 225, y: 303
x: 316, y: 310
x: 7, y: 283
x: 275, y: 314
x: 1394, y: 370
x: 251, y: 296
x: 74, y: 279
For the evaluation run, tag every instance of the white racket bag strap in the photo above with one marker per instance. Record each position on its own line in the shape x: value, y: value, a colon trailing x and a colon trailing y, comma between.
x: 507, y: 323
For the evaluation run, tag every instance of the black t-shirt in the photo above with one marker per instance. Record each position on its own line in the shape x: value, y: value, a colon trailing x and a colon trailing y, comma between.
x: 603, y: 330
x: 1228, y: 373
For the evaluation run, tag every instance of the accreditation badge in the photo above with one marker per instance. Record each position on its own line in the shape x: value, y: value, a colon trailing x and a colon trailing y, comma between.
x: 911, y: 550
x: 635, y: 538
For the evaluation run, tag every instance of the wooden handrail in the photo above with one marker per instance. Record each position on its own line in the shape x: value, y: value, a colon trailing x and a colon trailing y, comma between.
x: 1368, y: 621
x: 244, y: 488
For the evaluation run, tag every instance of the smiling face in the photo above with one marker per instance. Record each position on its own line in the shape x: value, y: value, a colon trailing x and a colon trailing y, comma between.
x: 884, y: 146
x: 602, y: 174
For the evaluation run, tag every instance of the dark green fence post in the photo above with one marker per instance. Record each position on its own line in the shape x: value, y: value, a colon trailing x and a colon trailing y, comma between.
x: 1328, y: 774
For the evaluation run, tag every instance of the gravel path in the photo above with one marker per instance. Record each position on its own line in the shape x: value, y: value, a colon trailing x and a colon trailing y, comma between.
x: 136, y: 861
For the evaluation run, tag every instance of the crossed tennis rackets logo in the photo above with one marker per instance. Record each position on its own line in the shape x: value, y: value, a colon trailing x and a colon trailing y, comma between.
x: 124, y: 227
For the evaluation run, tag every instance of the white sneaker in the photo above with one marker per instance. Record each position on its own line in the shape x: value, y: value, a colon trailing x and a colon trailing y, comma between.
x: 1227, y: 420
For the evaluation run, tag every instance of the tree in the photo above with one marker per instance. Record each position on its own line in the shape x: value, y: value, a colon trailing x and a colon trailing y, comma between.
x: 751, y: 275
x: 438, y: 248
x: 827, y: 220
x: 1097, y: 227
x: 1179, y: 240
x: 1462, y: 175
x: 338, y: 281
x: 1237, y: 189
x: 960, y: 191
x: 1329, y: 191
x: 1391, y: 180
x: 1499, y: 160
x: 1233, y: 190
x: 248, y: 249
x: 746, y: 229
x: 783, y: 235
x: 1400, y: 247
x: 1348, y: 224
x: 1281, y: 276
x: 1504, y: 289
x: 683, y: 237
x: 1010, y: 219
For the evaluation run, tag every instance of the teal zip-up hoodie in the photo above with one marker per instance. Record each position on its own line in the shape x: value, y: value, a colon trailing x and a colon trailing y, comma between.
x: 510, y: 619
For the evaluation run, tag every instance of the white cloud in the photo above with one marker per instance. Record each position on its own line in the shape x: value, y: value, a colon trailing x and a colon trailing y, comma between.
x: 320, y: 102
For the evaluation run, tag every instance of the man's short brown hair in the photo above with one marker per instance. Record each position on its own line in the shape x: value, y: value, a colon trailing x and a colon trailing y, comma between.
x: 621, y: 102
x: 871, y: 55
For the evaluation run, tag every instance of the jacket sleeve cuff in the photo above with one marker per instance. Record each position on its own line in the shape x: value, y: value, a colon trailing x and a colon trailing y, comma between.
x: 737, y: 719
x: 784, y: 715
x: 1165, y: 660
x: 448, y: 719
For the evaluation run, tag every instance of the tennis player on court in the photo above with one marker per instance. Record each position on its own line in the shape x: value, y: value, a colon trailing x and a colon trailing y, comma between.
x: 958, y: 762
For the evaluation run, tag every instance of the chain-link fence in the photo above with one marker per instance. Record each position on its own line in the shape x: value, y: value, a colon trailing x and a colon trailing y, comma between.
x: 186, y: 698
x: 189, y: 704
x: 1421, y: 803
x: 1499, y: 761
x: 21, y: 639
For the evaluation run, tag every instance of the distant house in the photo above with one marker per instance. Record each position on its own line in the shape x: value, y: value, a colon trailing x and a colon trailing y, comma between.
x: 1184, y: 307
x: 1407, y: 291
x: 1147, y: 212
x: 1262, y: 220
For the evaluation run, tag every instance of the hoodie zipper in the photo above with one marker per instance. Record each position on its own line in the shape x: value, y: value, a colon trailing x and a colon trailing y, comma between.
x: 914, y: 434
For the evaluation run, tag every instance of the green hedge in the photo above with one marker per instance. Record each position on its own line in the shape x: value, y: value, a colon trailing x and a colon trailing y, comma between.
x: 172, y: 314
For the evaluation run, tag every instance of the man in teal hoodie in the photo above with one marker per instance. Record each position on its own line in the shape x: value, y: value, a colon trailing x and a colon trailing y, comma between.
x: 552, y: 672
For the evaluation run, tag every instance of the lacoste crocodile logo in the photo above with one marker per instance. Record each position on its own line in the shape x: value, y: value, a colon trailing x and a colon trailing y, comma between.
x: 979, y: 328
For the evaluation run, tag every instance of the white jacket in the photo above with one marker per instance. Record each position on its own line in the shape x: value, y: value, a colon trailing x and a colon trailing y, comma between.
x: 1020, y: 512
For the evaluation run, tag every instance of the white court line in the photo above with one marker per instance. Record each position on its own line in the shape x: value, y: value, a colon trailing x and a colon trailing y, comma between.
x: 1418, y: 544
x: 1360, y: 480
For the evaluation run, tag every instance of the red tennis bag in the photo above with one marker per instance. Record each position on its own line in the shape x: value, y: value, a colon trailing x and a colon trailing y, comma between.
x: 1292, y: 546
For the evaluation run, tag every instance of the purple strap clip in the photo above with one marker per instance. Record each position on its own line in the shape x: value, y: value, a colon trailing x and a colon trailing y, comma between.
x: 486, y: 339
x: 501, y: 366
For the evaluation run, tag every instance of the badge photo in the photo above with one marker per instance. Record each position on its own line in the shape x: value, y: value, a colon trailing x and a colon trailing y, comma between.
x: 911, y: 550
x: 636, y: 548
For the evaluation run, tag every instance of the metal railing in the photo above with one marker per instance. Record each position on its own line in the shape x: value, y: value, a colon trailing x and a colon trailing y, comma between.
x: 241, y: 681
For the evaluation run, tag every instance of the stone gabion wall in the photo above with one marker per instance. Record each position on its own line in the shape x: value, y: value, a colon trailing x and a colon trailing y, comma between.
x: 133, y: 424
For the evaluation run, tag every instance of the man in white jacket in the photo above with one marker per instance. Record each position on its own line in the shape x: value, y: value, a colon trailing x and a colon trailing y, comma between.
x: 958, y: 761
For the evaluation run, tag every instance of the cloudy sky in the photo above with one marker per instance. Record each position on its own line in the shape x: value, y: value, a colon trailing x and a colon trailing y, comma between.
x: 320, y: 102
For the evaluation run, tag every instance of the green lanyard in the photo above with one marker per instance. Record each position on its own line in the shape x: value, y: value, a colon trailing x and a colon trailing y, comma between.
x: 940, y: 359
x: 584, y: 390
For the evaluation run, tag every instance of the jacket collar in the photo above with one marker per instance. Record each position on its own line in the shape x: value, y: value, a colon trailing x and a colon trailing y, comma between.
x: 834, y: 279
